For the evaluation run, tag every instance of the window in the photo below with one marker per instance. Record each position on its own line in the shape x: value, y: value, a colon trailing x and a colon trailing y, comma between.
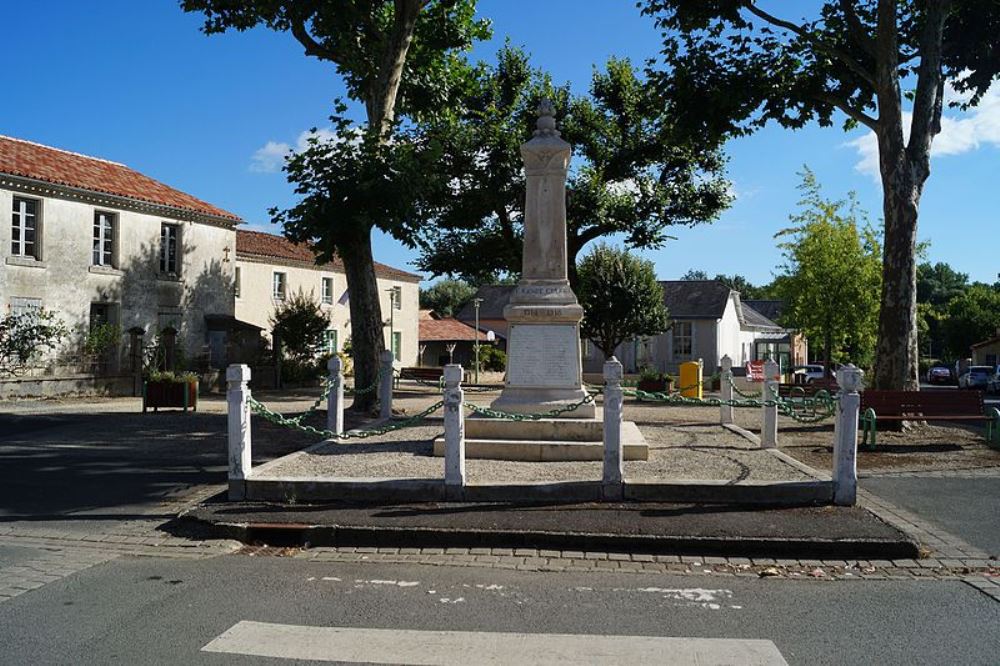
x: 397, y: 298
x: 236, y: 281
x: 278, y: 284
x: 169, y: 245
x: 327, y: 284
x: 104, y: 239
x: 24, y: 228
x: 682, y: 339
x: 397, y: 345
x: 330, y: 341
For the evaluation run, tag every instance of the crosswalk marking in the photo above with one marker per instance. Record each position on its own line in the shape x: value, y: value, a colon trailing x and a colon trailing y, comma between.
x: 444, y: 648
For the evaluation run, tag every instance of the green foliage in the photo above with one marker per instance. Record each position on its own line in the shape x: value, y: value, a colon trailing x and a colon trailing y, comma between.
x: 633, y: 173
x: 832, y: 276
x: 102, y: 338
x: 492, y: 359
x: 621, y: 298
x: 301, y: 324
x: 25, y: 335
x: 939, y: 283
x: 972, y: 317
x: 171, y: 377
x: 446, y: 297
x: 649, y: 374
x: 735, y: 282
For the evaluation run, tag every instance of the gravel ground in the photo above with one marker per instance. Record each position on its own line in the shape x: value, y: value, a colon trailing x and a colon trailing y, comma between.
x: 684, y: 442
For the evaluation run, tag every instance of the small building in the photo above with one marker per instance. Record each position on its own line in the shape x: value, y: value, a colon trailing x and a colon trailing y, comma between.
x: 494, y: 298
x: 99, y: 243
x: 445, y: 340
x: 987, y: 352
x: 269, y: 269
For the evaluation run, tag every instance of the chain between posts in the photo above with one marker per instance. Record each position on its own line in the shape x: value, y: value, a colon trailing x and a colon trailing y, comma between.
x: 514, y: 416
x: 809, y: 410
x: 263, y: 411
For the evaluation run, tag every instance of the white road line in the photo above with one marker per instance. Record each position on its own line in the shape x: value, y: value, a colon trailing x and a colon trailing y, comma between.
x: 403, y: 646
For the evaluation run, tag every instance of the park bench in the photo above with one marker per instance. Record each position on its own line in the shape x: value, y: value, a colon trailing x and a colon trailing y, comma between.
x: 898, y: 406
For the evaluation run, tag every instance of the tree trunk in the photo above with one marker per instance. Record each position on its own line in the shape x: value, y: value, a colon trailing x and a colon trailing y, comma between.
x: 896, y: 366
x: 367, y: 337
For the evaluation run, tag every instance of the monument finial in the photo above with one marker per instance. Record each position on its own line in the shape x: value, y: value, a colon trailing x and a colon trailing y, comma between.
x: 546, y: 122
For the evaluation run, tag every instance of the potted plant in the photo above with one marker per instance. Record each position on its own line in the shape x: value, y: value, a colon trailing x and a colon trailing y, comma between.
x: 653, y: 381
x: 169, y: 389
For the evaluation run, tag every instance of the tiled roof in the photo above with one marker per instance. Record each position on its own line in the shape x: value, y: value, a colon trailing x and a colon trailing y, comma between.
x: 61, y: 167
x: 446, y: 329
x: 770, y: 308
x: 695, y: 299
x: 268, y: 246
x: 751, y: 317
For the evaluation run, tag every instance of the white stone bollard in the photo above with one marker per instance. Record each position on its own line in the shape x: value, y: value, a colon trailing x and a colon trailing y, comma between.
x: 454, y: 427
x: 726, y: 384
x: 335, y: 399
x: 238, y: 399
x: 845, y: 445
x: 614, y: 466
x: 769, y: 427
x: 385, y: 385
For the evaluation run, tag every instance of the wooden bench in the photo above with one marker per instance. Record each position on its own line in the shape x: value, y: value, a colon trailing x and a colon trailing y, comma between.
x: 808, y: 390
x: 895, y: 406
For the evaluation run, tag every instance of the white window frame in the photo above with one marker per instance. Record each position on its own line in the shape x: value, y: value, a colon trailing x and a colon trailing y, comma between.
x: 326, y: 290
x: 19, y: 223
x: 397, y: 345
x: 397, y: 298
x: 105, y: 236
x: 331, y: 334
x: 678, y: 337
x: 166, y: 244
x: 276, y: 294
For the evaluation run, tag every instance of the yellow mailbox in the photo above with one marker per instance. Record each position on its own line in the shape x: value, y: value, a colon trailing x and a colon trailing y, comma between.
x: 691, y: 379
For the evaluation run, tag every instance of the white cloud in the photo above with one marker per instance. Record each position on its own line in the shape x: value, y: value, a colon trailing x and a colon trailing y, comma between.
x: 271, y: 156
x: 961, y: 131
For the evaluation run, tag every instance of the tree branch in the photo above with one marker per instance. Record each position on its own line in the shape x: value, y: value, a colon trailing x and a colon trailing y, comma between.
x: 313, y: 48
x: 928, y: 102
x: 821, y: 45
x: 855, y: 114
x: 856, y: 28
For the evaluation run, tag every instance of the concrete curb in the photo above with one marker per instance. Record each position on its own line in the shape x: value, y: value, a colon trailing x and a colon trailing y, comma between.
x: 297, y: 534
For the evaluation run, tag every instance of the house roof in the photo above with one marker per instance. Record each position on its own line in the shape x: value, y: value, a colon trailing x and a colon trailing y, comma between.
x: 259, y: 245
x: 695, y: 299
x: 61, y: 167
x: 753, y: 317
x: 446, y: 329
x: 986, y: 343
x: 495, y: 298
x: 770, y: 308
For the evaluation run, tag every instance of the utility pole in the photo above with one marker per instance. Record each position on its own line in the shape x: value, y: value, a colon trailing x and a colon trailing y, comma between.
x: 476, y: 302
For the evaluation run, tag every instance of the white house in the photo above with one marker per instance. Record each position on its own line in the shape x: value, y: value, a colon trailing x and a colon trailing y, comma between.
x: 95, y: 242
x: 269, y: 269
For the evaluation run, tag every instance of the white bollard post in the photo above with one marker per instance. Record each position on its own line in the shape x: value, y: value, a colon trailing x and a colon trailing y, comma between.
x: 335, y: 399
x: 845, y: 446
x: 454, y: 427
x: 385, y: 386
x: 769, y: 427
x: 238, y: 400
x: 613, y: 477
x: 726, y: 383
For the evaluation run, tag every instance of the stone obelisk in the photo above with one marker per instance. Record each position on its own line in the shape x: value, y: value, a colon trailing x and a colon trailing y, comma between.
x: 543, y: 339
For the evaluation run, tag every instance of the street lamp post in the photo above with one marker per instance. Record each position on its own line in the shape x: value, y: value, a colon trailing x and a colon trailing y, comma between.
x: 476, y: 302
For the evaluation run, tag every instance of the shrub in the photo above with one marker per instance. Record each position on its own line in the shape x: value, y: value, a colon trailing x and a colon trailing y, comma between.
x: 25, y: 335
x: 301, y: 324
x: 492, y: 359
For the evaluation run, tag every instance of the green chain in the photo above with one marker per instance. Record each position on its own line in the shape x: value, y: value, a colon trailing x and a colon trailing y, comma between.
x: 753, y: 395
x: 260, y: 409
x: 513, y: 416
x: 367, y: 389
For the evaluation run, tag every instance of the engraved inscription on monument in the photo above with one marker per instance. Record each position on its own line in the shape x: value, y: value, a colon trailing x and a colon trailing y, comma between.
x: 549, y: 356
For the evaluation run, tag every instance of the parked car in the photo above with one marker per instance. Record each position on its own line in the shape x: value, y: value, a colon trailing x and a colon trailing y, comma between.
x: 939, y: 374
x: 807, y: 374
x: 993, y: 385
x: 977, y: 377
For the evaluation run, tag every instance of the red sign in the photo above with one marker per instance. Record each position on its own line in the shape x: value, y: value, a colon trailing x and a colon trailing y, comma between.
x: 755, y: 371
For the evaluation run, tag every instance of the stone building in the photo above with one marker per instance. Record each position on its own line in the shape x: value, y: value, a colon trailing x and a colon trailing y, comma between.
x: 97, y: 242
x: 269, y: 269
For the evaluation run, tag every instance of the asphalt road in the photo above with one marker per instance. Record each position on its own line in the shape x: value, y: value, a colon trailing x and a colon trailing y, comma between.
x: 146, y: 610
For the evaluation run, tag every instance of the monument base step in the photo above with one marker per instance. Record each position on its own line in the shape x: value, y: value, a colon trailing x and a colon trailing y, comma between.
x: 547, y: 440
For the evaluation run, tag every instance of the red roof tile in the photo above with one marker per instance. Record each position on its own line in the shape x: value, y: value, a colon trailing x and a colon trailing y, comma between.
x: 269, y: 246
x: 61, y: 167
x: 446, y: 329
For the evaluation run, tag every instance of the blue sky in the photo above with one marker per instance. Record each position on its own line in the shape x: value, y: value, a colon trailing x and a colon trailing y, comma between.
x: 136, y: 82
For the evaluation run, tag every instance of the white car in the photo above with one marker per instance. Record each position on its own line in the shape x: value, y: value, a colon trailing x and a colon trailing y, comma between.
x: 809, y: 373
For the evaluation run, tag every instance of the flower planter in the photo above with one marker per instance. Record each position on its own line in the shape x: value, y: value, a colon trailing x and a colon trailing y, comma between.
x: 177, y: 395
x: 655, y: 386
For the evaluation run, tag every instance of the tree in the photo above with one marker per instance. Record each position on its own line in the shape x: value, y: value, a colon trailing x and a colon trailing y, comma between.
x: 735, y: 282
x: 446, y: 297
x: 739, y: 67
x: 621, y: 298
x: 971, y: 317
x: 693, y: 274
x: 26, y: 334
x: 832, y: 276
x: 939, y: 283
x: 397, y: 57
x: 300, y: 323
x: 634, y: 174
